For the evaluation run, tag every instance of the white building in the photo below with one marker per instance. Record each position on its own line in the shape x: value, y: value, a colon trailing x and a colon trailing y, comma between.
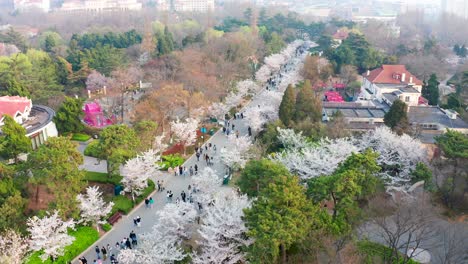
x: 100, y: 5
x: 455, y: 7
x: 200, y: 6
x: 27, y: 5
x: 36, y: 119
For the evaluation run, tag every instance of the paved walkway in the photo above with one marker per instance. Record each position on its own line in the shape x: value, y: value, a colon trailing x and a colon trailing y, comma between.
x: 176, y: 184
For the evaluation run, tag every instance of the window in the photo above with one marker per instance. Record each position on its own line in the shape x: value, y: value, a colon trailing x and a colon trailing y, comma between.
x: 407, y: 98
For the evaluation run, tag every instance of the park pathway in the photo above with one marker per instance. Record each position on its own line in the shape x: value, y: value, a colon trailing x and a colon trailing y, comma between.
x: 176, y: 184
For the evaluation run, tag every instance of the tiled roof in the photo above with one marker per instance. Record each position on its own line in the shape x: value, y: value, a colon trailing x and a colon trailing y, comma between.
x: 386, y: 73
x: 11, y: 105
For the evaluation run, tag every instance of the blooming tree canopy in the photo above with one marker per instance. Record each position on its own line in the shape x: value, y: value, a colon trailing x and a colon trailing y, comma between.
x: 96, y: 81
x: 223, y: 231
x: 186, y: 132
x: 163, y: 243
x: 398, y: 155
x: 263, y: 74
x: 50, y: 234
x: 92, y: 206
x: 126, y: 256
x: 207, y: 183
x: 137, y: 171
x: 13, y: 247
x: 237, y: 154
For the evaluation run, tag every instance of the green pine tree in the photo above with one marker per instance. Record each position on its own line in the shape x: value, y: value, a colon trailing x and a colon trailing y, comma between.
x: 430, y: 91
x: 14, y: 140
x: 286, y: 109
x: 68, y: 117
x: 396, y: 118
x: 308, y: 105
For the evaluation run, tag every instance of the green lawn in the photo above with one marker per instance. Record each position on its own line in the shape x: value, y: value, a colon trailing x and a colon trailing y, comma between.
x: 373, y: 252
x: 85, y: 236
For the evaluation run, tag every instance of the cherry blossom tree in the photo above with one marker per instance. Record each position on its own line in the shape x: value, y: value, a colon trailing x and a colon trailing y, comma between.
x: 185, y: 132
x: 263, y: 74
x: 158, y: 143
x: 13, y: 247
x: 275, y: 62
x: 236, y: 156
x: 96, y: 81
x: 50, y: 234
x: 292, y: 140
x: 223, y: 231
x: 218, y: 110
x: 207, y: 183
x: 163, y: 243
x: 137, y: 171
x: 126, y: 256
x: 92, y: 206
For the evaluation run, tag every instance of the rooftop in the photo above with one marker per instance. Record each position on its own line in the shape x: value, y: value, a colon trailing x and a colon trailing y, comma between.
x: 39, y: 117
x: 356, y: 112
x: 434, y: 115
x: 391, y: 74
x: 11, y: 105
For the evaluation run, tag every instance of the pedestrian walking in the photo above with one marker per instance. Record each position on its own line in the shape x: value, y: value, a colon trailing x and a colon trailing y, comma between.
x: 84, y: 260
x: 104, y: 253
x: 183, y: 196
x: 196, y: 169
x: 214, y: 148
x: 158, y: 184
x: 199, y: 206
x: 237, y: 133
x: 198, y: 156
x: 191, y: 171
x: 135, y: 222
x: 250, y: 131
x: 181, y: 170
x: 176, y: 170
x: 151, y: 201
x: 185, y: 171
x: 98, y: 252
x: 109, y: 249
x: 242, y: 115
x: 128, y: 244
x: 224, y: 130
x: 189, y: 187
x: 138, y: 221
x: 123, y: 244
x: 147, y: 202
x: 113, y: 259
x: 133, y: 237
x: 177, y: 200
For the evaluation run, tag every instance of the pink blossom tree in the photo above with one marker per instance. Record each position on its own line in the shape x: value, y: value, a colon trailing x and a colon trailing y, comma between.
x: 207, y: 183
x: 13, y: 247
x: 49, y: 235
x: 185, y: 132
x: 236, y: 156
x: 96, y: 81
x: 93, y: 207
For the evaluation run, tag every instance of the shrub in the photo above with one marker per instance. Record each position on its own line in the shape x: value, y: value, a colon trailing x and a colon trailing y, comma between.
x: 106, y: 227
x: 171, y: 161
x: 122, y: 203
x: 92, y: 149
x: 80, y: 137
x: 85, y: 236
x: 370, y: 250
x: 102, y: 177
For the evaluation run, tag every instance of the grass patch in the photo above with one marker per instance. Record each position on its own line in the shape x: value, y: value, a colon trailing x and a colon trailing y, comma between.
x: 92, y: 149
x: 373, y: 252
x: 102, y: 177
x: 106, y: 227
x: 125, y: 204
x: 80, y: 137
x: 171, y: 161
x: 85, y: 236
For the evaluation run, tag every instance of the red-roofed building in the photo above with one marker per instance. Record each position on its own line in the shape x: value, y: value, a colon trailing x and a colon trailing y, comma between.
x: 16, y: 107
x: 36, y: 119
x: 391, y: 82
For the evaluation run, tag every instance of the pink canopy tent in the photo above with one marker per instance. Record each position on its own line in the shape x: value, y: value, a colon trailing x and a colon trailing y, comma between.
x: 95, y: 117
x: 332, y: 96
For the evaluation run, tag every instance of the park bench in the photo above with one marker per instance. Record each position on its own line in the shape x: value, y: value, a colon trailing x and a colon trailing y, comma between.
x: 114, y: 218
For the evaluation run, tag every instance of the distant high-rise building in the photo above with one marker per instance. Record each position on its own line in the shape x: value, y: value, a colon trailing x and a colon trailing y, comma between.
x: 27, y: 5
x: 100, y: 5
x: 201, y: 6
x: 455, y: 7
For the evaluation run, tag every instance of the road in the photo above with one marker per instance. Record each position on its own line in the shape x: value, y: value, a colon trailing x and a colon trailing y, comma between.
x: 176, y: 184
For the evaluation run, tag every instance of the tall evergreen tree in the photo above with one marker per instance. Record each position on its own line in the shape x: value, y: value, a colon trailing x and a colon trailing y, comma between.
x: 68, y: 117
x: 286, y: 109
x: 280, y: 216
x: 430, y: 91
x: 308, y: 105
x: 397, y: 118
x: 14, y: 140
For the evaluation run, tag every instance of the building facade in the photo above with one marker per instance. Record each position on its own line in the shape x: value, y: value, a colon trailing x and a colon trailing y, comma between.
x: 36, y: 119
x: 199, y: 6
x: 455, y: 7
x: 28, y: 5
x: 100, y: 5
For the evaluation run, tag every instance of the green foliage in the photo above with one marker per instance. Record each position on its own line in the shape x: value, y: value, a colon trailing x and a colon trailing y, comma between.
x: 146, y: 131
x: 84, y: 237
x: 355, y: 50
x: 279, y: 217
x: 92, y: 149
x: 257, y: 174
x: 269, y: 137
x: 117, y: 144
x: 371, y: 250
x: 12, y: 205
x: 121, y: 204
x: 104, y: 59
x: 80, y: 137
x: 55, y: 164
x: 430, y: 91
x: 171, y: 161
x: 460, y: 51
x: 397, y: 118
x: 101, y: 177
x: 273, y: 43
x: 286, y: 109
x: 15, y: 38
x: 106, y: 227
x: 165, y: 42
x: 119, y: 41
x: 14, y: 140
x: 454, y: 144
x: 423, y: 173
x: 230, y: 24
x: 308, y: 105
x: 68, y: 116
x: 353, y: 180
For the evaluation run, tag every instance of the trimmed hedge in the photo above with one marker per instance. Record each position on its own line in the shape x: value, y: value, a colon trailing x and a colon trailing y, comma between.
x: 171, y: 161
x: 124, y: 204
x: 106, y: 227
x: 102, y: 177
x: 85, y: 236
x: 80, y: 137
x: 92, y: 149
